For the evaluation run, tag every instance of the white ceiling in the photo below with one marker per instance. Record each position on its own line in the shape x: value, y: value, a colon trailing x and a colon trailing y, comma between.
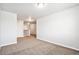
x: 24, y: 10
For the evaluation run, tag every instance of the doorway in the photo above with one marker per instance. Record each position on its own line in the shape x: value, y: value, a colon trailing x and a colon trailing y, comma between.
x: 29, y: 28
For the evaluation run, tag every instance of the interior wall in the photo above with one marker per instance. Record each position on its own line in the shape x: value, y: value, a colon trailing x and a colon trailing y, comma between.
x: 20, y: 28
x: 60, y: 28
x: 8, y: 28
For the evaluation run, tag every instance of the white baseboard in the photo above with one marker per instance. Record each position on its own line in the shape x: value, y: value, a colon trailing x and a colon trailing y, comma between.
x: 8, y: 44
x: 61, y: 45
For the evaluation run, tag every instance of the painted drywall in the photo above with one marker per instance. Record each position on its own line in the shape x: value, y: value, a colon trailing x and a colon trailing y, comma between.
x: 60, y: 28
x: 20, y: 27
x: 8, y: 28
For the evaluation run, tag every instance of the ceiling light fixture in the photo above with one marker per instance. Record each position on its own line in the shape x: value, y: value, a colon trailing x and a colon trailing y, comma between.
x: 40, y: 5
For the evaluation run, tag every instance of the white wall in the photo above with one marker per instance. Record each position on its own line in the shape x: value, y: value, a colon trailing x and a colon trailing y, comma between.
x: 60, y: 28
x: 20, y: 28
x: 8, y: 28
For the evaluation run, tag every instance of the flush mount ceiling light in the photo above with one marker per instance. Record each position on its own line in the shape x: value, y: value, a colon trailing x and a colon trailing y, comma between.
x: 40, y: 5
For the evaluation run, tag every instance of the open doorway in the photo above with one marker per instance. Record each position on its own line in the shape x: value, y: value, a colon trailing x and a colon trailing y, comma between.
x: 30, y: 28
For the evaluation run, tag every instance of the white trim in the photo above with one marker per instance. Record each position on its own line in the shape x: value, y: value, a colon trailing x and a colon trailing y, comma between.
x: 61, y: 45
x: 8, y: 44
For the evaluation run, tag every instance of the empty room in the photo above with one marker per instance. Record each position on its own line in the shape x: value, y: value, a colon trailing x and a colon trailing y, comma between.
x: 39, y: 28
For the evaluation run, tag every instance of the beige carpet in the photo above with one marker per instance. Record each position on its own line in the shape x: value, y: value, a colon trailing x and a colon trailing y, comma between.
x: 32, y: 46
